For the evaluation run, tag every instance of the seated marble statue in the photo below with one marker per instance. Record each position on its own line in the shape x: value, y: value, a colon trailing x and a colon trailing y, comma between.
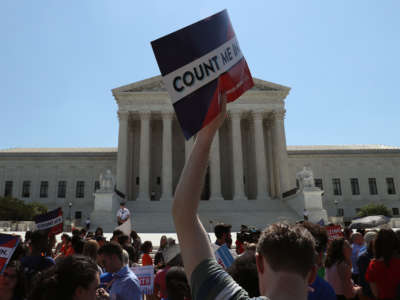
x: 306, y: 178
x: 107, y: 182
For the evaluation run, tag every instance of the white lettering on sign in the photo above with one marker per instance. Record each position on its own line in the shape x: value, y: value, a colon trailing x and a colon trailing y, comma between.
x: 191, y: 77
x: 5, y: 252
x: 50, y: 223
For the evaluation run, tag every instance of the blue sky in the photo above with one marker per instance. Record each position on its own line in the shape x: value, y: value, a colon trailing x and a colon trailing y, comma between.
x: 59, y: 61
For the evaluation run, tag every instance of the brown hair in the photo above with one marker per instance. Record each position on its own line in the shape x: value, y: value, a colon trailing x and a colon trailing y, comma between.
x: 288, y: 248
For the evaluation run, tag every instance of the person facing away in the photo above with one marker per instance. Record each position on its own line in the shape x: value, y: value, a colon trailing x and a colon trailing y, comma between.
x: 125, y: 284
x: 72, y: 278
x: 320, y: 288
x: 285, y: 254
x: 383, y: 273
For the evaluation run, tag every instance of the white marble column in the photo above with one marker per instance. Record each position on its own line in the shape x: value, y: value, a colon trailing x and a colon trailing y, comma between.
x: 280, y: 152
x: 167, y: 156
x: 188, y: 147
x: 271, y: 163
x: 144, y: 163
x: 238, y: 184
x: 215, y: 170
x: 122, y: 156
x: 261, y: 164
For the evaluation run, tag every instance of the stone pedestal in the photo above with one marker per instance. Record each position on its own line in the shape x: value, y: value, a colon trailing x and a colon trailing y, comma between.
x: 309, y: 198
x: 105, y: 209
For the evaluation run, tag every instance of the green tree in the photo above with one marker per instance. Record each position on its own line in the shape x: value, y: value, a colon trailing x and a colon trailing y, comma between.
x: 12, y: 209
x: 374, y: 209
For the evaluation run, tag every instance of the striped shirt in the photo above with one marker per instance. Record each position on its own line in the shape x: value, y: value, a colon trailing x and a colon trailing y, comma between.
x: 209, y: 281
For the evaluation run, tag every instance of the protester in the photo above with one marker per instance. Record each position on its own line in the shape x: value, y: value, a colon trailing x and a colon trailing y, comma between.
x: 158, y: 258
x: 136, y: 244
x: 146, y: 248
x: 383, y: 273
x: 38, y: 260
x: 72, y: 278
x: 124, y: 240
x: 12, y: 285
x: 285, y: 254
x: 363, y: 262
x: 98, y: 232
x: 116, y: 234
x: 125, y: 285
x: 357, y: 245
x: 320, y: 288
x: 177, y: 284
x: 222, y: 233
x: 123, y: 214
x: 244, y: 271
x: 172, y: 258
x: 90, y: 249
x: 338, y: 269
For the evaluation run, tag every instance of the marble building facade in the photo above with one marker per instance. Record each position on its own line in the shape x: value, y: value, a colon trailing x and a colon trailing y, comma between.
x: 250, y: 164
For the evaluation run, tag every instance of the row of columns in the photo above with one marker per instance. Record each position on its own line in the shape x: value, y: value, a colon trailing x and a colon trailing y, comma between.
x: 271, y: 181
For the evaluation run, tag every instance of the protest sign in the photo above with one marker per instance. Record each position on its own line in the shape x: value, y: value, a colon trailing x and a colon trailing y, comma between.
x: 8, y: 243
x: 52, y: 221
x: 125, y: 227
x: 334, y: 232
x: 199, y: 63
x: 224, y: 256
x: 146, y: 278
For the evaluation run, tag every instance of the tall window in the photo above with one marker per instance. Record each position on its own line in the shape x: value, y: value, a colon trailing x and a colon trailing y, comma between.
x: 391, y: 190
x: 337, y: 190
x: 318, y: 183
x: 26, y: 189
x: 44, y: 189
x: 62, y: 189
x: 373, y: 190
x: 8, y: 189
x: 96, y: 185
x: 355, y: 188
x: 80, y: 189
x: 340, y: 212
x: 395, y: 211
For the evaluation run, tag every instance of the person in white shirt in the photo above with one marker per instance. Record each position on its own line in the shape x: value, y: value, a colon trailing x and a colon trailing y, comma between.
x: 123, y: 214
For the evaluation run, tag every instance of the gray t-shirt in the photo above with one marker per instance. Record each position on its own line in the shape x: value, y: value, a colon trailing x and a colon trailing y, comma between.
x: 209, y: 281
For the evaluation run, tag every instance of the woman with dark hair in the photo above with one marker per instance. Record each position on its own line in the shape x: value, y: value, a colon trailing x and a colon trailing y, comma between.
x: 177, y: 284
x: 12, y: 282
x: 383, y: 272
x: 72, y: 278
x: 146, y: 248
x: 158, y: 258
x: 338, y: 269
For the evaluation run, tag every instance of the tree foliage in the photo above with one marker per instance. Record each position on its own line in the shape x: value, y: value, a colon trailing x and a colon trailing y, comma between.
x: 12, y: 209
x: 374, y: 209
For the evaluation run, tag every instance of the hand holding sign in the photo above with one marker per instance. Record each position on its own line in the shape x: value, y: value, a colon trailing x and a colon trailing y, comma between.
x: 199, y: 63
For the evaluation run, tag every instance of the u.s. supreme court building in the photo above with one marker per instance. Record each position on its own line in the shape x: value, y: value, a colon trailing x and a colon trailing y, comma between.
x: 251, y: 177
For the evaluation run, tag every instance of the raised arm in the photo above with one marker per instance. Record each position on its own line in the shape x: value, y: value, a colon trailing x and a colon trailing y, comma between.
x: 193, y: 239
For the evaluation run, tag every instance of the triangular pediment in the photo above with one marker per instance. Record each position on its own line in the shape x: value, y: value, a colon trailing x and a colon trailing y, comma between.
x: 155, y: 84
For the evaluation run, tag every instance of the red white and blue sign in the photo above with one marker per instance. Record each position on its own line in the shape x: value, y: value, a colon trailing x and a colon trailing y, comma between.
x: 8, y: 243
x: 199, y: 63
x: 52, y: 221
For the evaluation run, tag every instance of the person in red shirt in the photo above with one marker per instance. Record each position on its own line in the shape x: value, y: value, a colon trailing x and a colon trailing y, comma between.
x: 147, y: 247
x: 383, y: 272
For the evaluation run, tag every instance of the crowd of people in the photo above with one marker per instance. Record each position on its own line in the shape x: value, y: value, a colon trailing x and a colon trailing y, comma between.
x: 283, y: 261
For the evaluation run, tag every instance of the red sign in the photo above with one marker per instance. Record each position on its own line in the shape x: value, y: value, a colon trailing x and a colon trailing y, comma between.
x: 334, y: 232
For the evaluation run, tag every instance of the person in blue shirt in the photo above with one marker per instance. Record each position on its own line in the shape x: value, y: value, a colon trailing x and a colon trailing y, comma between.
x: 320, y: 288
x: 125, y: 285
